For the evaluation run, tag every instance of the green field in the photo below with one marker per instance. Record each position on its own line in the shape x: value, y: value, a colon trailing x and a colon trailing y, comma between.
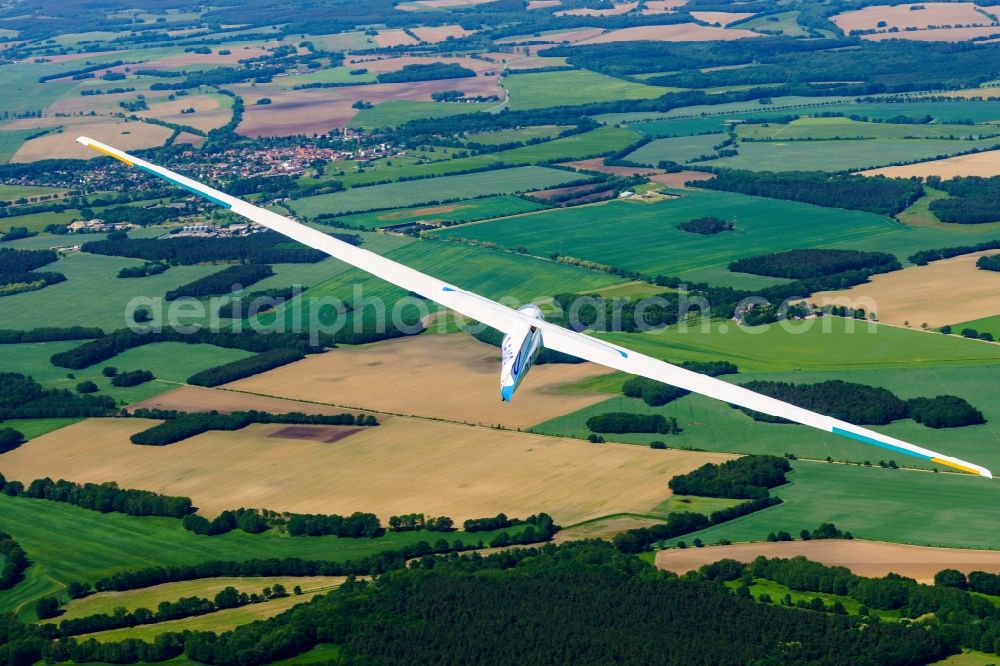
x: 567, y: 88
x: 874, y: 503
x: 777, y: 592
x: 600, y: 141
x: 643, y: 236
x: 409, y: 193
x: 845, y: 128
x: 970, y: 658
x: 984, y: 325
x: 398, y: 111
x: 679, y: 149
x: 103, y: 544
x: 10, y: 141
x: 844, y: 155
x: 15, y: 192
x: 171, y: 362
x: 32, y: 428
x: 464, y: 211
x: 714, y: 426
x: 785, y: 23
x: 521, y: 134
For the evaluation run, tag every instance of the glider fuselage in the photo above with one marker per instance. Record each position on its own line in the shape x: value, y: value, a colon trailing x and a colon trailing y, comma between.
x: 519, y: 350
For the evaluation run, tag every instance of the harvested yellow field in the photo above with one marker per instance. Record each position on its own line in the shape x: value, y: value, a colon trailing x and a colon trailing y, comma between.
x: 662, y: 6
x: 939, y: 293
x: 933, y: 14
x: 203, y: 112
x: 939, y: 35
x: 386, y: 38
x: 618, y: 9
x: 682, y: 32
x: 200, y: 399
x: 977, y: 164
x: 722, y: 18
x: 401, y: 466
x: 865, y: 558
x: 451, y: 377
x: 440, y: 33
x: 118, y: 133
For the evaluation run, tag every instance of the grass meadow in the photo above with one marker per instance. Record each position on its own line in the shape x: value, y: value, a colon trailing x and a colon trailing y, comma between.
x: 680, y: 149
x: 398, y: 111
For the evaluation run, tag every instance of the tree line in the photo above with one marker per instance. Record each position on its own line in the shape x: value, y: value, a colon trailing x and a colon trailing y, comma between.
x: 749, y: 477
x: 101, y: 497
x: 874, y: 194
x: 222, y: 282
x: 178, y: 426
x: 266, y: 247
x: 656, y: 394
x: 246, y: 367
x: 811, y: 263
x: 147, y: 269
x: 10, y: 439
x: 924, y: 257
x: 867, y: 405
x: 18, y: 274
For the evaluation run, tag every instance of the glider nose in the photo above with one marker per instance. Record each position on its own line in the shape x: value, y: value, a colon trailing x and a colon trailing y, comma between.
x: 507, y: 392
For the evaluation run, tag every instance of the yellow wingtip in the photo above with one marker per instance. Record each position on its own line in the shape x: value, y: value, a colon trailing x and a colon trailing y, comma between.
x: 93, y: 145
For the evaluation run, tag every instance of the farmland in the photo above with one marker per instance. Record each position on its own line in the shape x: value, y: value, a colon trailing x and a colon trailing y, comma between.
x: 531, y: 91
x: 712, y: 425
x: 449, y: 469
x: 396, y: 195
x: 977, y: 164
x: 876, y: 504
x: 107, y: 543
x: 460, y: 211
x: 872, y: 559
x: 914, y: 296
x: 677, y: 149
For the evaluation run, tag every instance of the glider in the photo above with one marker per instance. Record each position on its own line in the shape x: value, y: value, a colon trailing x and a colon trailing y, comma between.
x: 526, y: 332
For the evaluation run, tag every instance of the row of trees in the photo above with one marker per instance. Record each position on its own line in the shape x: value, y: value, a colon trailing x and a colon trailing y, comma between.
x: 625, y: 422
x: 412, y: 522
x: 680, y: 523
x: 131, y: 378
x: 268, y: 247
x: 869, y: 405
x: 924, y: 257
x: 246, y: 367
x: 147, y: 269
x: 656, y: 394
x: 749, y: 477
x: 102, y: 497
x: 223, y: 282
x: 179, y: 426
x: 48, y: 334
x: 875, y: 194
x: 800, y: 264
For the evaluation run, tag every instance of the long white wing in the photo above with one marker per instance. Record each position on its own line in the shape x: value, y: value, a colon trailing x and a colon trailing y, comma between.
x: 554, y: 337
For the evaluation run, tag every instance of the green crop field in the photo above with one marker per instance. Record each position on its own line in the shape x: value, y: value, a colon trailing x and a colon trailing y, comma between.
x: 409, y: 193
x: 600, y: 141
x: 715, y: 426
x: 679, y: 149
x: 643, y: 236
x: 785, y: 23
x: 398, y: 111
x: 984, y: 325
x: 521, y: 134
x: 32, y: 428
x: 461, y: 211
x: 532, y: 91
x: 103, y: 544
x: 874, y: 503
x: 15, y: 192
x: 845, y: 128
x: 10, y: 141
x: 842, y: 155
